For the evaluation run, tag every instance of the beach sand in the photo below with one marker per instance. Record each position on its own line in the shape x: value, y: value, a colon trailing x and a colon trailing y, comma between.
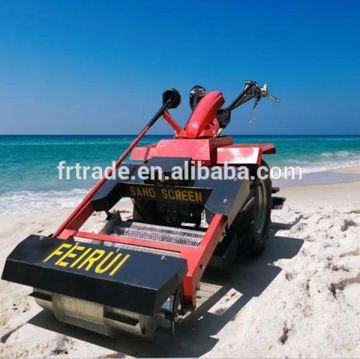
x: 300, y: 298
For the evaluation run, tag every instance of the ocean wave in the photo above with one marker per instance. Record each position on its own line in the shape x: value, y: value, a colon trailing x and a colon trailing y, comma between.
x: 36, y: 201
x: 105, y: 141
x: 31, y: 201
x: 326, y: 161
x: 329, y: 166
x: 339, y: 154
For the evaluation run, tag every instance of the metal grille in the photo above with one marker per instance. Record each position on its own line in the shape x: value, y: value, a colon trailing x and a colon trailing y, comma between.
x: 144, y: 231
x: 161, y: 252
x: 144, y: 249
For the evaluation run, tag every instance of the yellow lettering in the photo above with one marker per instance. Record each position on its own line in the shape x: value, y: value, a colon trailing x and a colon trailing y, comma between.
x: 119, y: 265
x: 171, y: 194
x: 152, y: 193
x: 191, y: 196
x: 164, y: 194
x: 182, y: 195
x: 68, y: 254
x: 178, y: 195
x: 57, y: 251
x: 80, y: 258
x: 147, y: 192
x: 100, y: 270
x: 93, y: 257
x: 198, y: 196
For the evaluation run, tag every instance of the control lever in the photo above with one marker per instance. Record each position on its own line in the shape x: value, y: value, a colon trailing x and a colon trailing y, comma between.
x: 265, y: 93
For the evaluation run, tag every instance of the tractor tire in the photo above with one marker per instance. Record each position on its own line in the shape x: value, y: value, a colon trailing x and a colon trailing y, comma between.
x: 253, y: 240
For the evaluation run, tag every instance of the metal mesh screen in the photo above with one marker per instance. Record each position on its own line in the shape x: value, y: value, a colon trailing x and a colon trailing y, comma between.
x: 144, y: 231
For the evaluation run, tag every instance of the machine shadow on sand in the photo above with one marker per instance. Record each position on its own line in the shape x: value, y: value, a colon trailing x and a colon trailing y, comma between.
x: 194, y: 335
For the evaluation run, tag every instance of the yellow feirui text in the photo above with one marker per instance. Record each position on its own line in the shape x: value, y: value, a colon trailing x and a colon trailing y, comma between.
x: 184, y: 195
x: 98, y: 260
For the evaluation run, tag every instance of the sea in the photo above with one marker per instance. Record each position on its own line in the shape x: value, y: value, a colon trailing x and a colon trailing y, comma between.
x: 29, y: 175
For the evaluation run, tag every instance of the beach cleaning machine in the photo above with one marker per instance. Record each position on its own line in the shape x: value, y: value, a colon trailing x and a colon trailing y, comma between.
x: 136, y: 273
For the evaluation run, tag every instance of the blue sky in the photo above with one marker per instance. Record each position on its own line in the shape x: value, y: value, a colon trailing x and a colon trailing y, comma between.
x: 99, y: 67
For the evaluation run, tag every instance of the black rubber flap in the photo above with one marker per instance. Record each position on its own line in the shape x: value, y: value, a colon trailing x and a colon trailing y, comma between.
x: 132, y: 280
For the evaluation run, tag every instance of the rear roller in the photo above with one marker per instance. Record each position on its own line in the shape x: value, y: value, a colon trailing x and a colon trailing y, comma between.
x: 104, y: 288
x: 106, y: 320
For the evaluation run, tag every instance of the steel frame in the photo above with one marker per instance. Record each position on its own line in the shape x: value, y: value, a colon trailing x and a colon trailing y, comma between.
x: 207, y: 150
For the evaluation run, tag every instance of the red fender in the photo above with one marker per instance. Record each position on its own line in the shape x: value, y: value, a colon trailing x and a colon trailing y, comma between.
x: 244, y: 154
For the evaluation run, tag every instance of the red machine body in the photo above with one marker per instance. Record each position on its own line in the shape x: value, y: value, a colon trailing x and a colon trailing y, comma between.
x: 141, y: 296
x: 197, y: 140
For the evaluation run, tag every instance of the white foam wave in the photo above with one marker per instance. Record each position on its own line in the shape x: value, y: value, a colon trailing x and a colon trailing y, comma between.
x: 30, y: 201
x: 329, y: 166
x: 339, y: 154
x: 327, y: 161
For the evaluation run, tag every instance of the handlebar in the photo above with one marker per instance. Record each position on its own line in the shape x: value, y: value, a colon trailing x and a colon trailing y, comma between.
x: 251, y: 90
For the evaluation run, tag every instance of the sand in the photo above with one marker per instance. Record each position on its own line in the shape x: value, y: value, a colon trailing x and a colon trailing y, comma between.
x: 300, y: 298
